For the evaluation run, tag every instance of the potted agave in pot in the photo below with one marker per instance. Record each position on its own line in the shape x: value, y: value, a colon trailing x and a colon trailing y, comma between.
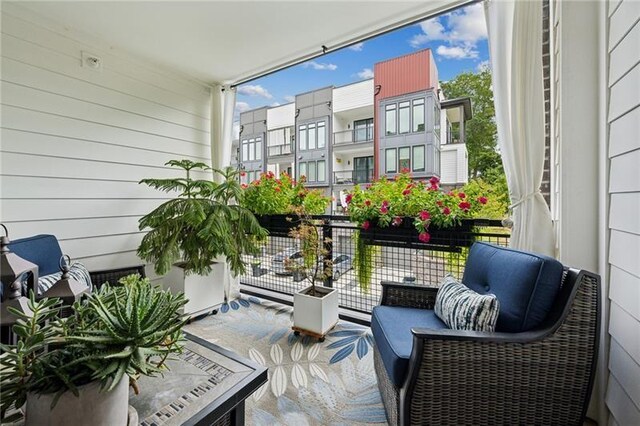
x: 78, y: 370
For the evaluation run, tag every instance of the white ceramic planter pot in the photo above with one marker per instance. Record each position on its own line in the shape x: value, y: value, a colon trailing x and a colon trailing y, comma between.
x: 92, y: 407
x: 203, y: 292
x: 315, y: 314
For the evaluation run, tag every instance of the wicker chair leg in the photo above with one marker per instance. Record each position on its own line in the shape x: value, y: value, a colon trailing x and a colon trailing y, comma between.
x: 390, y: 393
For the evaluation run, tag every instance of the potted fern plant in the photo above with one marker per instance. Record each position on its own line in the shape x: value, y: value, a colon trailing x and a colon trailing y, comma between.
x: 192, y: 236
x: 78, y: 370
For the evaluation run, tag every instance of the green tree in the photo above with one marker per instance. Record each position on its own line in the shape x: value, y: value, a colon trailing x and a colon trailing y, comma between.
x: 481, y: 132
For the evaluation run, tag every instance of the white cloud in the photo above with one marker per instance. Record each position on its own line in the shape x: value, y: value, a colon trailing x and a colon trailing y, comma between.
x: 356, y: 47
x: 242, y: 106
x: 484, y: 65
x: 254, y: 90
x: 290, y: 98
x: 320, y: 66
x: 457, y: 52
x: 365, y: 73
x: 275, y: 104
x: 462, y: 30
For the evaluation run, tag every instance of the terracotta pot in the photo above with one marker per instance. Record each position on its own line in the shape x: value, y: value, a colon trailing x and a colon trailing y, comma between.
x: 92, y: 407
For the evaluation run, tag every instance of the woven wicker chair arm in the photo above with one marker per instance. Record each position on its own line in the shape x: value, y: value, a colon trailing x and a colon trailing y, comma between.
x: 478, y: 336
x: 408, y: 295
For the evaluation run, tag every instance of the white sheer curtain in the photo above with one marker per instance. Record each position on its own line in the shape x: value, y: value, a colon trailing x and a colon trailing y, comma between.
x: 223, y: 102
x: 515, y: 47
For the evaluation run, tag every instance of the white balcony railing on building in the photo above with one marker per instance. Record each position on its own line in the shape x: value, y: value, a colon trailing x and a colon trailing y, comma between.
x: 348, y: 177
x: 283, y: 149
x: 353, y: 136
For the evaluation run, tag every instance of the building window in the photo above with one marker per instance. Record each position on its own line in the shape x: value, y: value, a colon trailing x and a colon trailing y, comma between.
x: 311, y: 171
x: 322, y: 173
x: 436, y: 115
x: 245, y: 150
x: 258, y: 148
x: 312, y: 135
x: 403, y: 117
x: 252, y: 149
x: 303, y: 170
x: 418, y: 115
x: 404, y: 158
x: 363, y: 169
x: 390, y: 119
x: 303, y: 137
x: 418, y: 158
x: 322, y: 134
x: 390, y: 160
x: 363, y: 130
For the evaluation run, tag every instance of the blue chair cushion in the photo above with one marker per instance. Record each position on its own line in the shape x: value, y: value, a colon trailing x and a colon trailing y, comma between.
x: 43, y: 250
x: 391, y: 327
x: 526, y: 284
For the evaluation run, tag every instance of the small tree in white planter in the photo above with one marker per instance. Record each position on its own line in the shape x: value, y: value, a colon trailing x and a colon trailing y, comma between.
x: 315, y: 307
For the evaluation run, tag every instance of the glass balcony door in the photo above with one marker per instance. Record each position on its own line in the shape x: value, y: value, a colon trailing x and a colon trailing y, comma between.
x: 362, y: 169
x: 363, y: 130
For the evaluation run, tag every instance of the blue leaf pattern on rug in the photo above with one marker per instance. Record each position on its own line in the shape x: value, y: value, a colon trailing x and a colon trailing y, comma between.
x: 310, y: 383
x: 341, y: 354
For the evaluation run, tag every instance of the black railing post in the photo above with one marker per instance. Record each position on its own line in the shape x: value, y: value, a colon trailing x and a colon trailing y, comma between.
x: 327, y: 241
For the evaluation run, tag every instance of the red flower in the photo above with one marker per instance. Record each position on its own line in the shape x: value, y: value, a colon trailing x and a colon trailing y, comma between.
x: 277, y: 189
x: 366, y: 225
x: 406, y: 192
x: 368, y: 186
x: 405, y: 170
x: 482, y: 200
x: 462, y: 195
x: 244, y: 186
x: 424, y: 237
x: 424, y: 215
x: 434, y: 181
x: 349, y: 198
x: 367, y: 203
x: 433, y: 188
x: 439, y: 203
x: 243, y: 174
x: 446, y: 211
x: 384, y: 209
x: 397, y: 221
x: 464, y: 206
x: 385, y: 203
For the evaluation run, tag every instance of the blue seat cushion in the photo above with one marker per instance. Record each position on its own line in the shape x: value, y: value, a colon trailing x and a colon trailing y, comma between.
x: 391, y: 327
x: 526, y: 284
x: 43, y: 250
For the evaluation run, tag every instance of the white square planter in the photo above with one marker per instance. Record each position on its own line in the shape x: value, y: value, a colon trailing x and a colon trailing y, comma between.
x: 317, y: 315
x: 204, y: 293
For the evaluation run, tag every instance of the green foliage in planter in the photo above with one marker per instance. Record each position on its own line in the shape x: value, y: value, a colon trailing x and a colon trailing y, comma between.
x: 364, y: 259
x: 121, y: 331
x: 204, y: 221
x: 282, y: 195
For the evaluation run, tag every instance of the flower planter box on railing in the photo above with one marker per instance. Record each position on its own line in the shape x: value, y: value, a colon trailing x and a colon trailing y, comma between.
x: 455, y: 236
x: 278, y: 225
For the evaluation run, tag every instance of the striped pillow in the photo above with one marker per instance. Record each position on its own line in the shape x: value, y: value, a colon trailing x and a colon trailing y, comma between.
x: 463, y: 309
x: 77, y: 271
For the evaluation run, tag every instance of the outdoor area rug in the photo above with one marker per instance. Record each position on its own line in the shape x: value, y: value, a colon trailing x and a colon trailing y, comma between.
x: 310, y: 383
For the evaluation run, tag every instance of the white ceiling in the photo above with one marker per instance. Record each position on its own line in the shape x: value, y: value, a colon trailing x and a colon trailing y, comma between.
x: 229, y: 41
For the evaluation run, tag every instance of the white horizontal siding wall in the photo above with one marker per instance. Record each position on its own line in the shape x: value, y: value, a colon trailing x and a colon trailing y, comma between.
x: 281, y: 116
x: 623, y: 391
x: 75, y: 142
x: 454, y: 166
x: 352, y: 96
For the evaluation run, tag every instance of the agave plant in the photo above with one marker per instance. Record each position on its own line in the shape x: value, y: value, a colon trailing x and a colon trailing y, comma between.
x: 127, y: 330
x: 203, y: 222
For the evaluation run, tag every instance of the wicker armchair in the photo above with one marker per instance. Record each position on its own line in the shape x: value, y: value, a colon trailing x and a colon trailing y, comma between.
x: 541, y: 376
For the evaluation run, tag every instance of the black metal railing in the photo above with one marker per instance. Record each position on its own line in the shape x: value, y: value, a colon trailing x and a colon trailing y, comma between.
x: 401, y: 259
x: 353, y: 136
x: 348, y: 177
x: 283, y: 149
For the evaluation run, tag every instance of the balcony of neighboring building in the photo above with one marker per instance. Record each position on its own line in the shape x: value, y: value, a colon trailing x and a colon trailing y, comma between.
x: 280, y: 145
x: 353, y: 130
x: 355, y: 168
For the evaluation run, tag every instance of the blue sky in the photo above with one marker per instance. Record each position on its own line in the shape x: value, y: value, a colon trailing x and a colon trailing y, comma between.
x: 458, y: 41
